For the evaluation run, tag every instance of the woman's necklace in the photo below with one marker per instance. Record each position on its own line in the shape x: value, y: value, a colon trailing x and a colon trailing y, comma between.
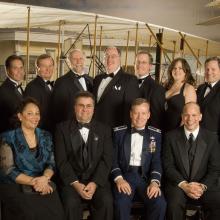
x: 31, y: 139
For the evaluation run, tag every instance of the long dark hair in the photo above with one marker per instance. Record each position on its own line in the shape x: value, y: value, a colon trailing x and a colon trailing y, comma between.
x: 186, y: 68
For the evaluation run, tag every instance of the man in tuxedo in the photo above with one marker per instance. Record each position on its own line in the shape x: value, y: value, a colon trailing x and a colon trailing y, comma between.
x: 114, y: 91
x: 11, y: 92
x: 41, y: 89
x: 149, y: 89
x: 136, y: 165
x: 83, y: 152
x: 208, y: 96
x: 191, y: 166
x: 68, y: 85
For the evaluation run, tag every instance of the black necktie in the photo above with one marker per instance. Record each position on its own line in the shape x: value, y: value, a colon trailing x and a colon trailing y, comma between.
x: 191, y: 149
x: 19, y: 88
x: 135, y: 130
x: 83, y: 125
x: 108, y: 75
x: 208, y: 85
x: 79, y: 76
x: 48, y: 82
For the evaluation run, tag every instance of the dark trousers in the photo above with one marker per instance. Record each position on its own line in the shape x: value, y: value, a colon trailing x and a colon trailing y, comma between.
x: 155, y: 207
x: 177, y: 199
x: 101, y: 205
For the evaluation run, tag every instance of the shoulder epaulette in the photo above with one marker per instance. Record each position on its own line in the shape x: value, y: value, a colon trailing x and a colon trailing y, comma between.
x: 120, y: 128
x: 154, y: 129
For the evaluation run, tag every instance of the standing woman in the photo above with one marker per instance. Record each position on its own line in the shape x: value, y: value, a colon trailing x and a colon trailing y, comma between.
x: 180, y: 90
x: 26, y: 167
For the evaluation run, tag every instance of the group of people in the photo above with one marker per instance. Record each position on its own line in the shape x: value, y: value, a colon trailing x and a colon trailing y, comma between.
x: 109, y: 141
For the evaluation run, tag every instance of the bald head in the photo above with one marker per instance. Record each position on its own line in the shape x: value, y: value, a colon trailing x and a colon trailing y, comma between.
x: 191, y: 116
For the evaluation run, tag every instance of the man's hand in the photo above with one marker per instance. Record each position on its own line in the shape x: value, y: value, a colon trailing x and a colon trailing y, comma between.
x: 123, y: 186
x: 90, y: 188
x: 79, y: 187
x: 193, y: 189
x: 153, y: 190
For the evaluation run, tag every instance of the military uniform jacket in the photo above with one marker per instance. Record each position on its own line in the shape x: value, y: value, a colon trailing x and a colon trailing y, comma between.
x: 150, y: 159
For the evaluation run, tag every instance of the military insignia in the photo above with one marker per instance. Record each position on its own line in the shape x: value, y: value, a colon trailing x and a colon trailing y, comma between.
x: 120, y: 128
x: 154, y: 129
x: 96, y: 138
x: 152, y: 145
x: 118, y: 88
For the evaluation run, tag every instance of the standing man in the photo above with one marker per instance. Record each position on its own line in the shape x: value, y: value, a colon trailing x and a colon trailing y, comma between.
x: 137, y: 167
x: 114, y: 91
x: 149, y: 89
x: 11, y: 92
x: 68, y: 85
x: 41, y: 89
x: 209, y: 96
x: 83, y: 150
x: 191, y: 166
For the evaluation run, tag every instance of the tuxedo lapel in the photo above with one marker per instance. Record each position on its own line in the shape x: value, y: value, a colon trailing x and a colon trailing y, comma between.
x: 181, y: 143
x: 93, y: 140
x: 76, y: 141
x: 200, y: 151
x: 111, y: 84
x: 210, y: 95
x: 127, y: 146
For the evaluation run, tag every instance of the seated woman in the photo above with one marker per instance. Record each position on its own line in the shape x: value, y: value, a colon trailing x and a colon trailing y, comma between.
x: 180, y: 90
x: 26, y: 167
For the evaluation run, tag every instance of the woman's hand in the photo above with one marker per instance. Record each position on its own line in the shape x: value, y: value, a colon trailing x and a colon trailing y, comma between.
x: 40, y: 184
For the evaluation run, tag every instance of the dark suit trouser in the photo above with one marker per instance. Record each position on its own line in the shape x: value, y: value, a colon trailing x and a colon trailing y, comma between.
x: 176, y: 201
x: 101, y: 204
x: 155, y: 207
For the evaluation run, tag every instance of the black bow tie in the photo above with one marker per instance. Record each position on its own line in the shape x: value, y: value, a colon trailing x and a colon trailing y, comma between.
x: 83, y: 125
x: 48, y: 82
x: 19, y: 86
x: 141, y: 80
x: 80, y: 76
x: 135, y: 130
x: 208, y: 85
x: 108, y: 75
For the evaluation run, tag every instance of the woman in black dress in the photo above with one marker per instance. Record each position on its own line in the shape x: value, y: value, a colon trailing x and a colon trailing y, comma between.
x: 180, y: 90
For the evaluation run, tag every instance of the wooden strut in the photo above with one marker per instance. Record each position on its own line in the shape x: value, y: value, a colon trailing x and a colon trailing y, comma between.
x: 94, y: 49
x: 158, y: 42
x: 28, y: 44
x: 193, y: 53
x: 126, y: 53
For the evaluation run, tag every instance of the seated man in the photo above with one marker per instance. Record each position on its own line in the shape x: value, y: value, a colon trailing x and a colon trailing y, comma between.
x: 83, y: 150
x: 136, y: 165
x: 191, y: 166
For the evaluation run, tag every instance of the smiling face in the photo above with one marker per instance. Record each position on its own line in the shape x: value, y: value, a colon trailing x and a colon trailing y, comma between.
x: 178, y: 73
x: 142, y: 65
x: 30, y: 116
x: 191, y: 116
x: 212, y: 71
x: 77, y: 61
x: 111, y: 59
x: 139, y: 115
x: 84, y: 109
x: 46, y: 68
x: 16, y: 70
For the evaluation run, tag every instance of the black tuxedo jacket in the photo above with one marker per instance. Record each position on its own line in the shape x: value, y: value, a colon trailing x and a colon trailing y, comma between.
x: 39, y: 90
x: 155, y: 94
x: 63, y: 95
x: 68, y: 157
x: 114, y: 105
x: 206, y: 164
x: 10, y: 99
x: 210, y: 107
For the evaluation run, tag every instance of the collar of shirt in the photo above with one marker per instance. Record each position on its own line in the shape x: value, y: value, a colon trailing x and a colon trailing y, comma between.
x: 143, y: 77
x: 115, y: 72
x: 195, y: 132
x: 15, y: 82
x: 213, y: 84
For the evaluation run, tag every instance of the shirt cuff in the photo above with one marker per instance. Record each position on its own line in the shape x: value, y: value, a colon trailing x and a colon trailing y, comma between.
x: 118, y: 177
x: 71, y: 184
x: 156, y: 181
x: 179, y: 185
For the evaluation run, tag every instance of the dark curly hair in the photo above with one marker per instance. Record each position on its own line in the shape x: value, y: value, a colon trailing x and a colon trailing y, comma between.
x: 186, y: 68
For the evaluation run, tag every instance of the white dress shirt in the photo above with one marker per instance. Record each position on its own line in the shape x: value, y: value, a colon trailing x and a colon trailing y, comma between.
x: 104, y: 84
x: 207, y: 91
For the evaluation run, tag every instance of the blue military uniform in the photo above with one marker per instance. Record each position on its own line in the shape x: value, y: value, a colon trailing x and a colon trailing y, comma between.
x: 139, y: 178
